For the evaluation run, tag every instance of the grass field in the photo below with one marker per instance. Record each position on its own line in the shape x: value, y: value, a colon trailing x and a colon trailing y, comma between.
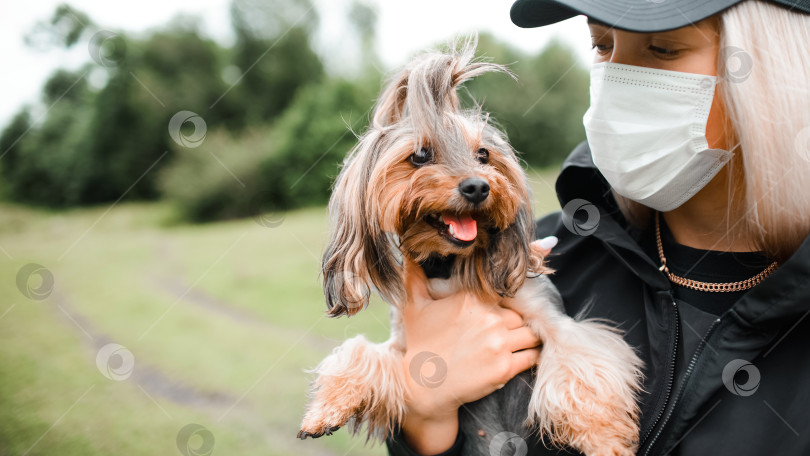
x: 221, y: 320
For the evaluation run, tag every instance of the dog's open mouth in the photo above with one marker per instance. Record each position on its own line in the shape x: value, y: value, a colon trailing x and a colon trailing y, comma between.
x: 460, y: 229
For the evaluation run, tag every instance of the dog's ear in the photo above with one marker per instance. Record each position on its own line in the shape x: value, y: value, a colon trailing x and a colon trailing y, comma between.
x: 512, y: 256
x: 509, y: 257
x: 391, y: 104
x: 359, y: 254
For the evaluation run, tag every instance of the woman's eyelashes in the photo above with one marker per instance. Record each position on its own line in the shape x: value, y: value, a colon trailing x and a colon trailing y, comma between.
x: 601, y: 49
x: 601, y: 42
x: 661, y: 52
x: 664, y: 52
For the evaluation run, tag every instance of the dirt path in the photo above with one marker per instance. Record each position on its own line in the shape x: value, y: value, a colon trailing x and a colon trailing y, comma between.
x: 176, y: 286
x: 158, y: 384
x: 153, y: 380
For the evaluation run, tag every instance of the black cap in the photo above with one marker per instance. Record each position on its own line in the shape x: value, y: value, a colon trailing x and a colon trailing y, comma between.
x: 631, y: 15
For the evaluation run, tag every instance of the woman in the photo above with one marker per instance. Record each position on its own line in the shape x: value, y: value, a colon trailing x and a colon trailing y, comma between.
x: 695, y: 240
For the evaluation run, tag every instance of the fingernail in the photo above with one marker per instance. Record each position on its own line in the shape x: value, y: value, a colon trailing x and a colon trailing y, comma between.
x: 548, y: 242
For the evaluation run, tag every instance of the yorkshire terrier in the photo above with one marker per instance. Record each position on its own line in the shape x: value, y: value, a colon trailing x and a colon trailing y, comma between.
x: 440, y: 186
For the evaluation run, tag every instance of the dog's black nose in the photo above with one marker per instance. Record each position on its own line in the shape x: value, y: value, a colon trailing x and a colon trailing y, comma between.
x: 474, y: 189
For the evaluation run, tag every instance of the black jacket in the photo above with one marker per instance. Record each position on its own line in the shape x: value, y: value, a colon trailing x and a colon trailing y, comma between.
x: 699, y: 414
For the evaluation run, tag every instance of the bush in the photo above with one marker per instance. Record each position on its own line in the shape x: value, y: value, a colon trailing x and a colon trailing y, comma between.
x: 220, y: 179
x: 290, y: 164
x: 41, y: 162
x: 100, y: 145
x: 315, y: 134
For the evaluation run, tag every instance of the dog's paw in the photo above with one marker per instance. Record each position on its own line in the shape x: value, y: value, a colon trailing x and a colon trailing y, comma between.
x: 358, y: 384
x: 590, y: 419
x: 585, y: 392
x: 302, y: 434
x: 335, y: 402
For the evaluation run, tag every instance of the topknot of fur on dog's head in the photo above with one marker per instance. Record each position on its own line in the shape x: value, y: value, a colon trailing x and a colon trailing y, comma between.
x: 427, y: 86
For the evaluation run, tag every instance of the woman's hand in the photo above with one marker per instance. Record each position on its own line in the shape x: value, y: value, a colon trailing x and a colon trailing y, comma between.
x: 459, y: 349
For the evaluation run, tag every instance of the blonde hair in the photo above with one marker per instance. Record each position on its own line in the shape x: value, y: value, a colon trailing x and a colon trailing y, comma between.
x: 766, y: 96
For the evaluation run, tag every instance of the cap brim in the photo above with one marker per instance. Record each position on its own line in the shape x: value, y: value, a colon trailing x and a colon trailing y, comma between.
x: 631, y: 15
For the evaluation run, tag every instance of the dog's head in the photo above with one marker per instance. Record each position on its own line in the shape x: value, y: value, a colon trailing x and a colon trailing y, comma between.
x: 430, y: 182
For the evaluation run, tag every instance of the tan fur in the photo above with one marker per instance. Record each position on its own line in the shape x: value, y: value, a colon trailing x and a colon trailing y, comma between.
x: 360, y: 381
x: 588, y: 377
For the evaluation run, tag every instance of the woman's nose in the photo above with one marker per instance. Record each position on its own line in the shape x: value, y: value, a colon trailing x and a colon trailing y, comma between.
x: 624, y: 54
x: 627, y: 60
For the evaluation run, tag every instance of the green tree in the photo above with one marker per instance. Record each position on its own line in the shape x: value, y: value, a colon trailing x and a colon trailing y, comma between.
x: 11, y: 149
x: 314, y: 135
x: 221, y: 178
x: 39, y: 163
x: 174, y: 69
x: 64, y: 29
x: 273, y: 54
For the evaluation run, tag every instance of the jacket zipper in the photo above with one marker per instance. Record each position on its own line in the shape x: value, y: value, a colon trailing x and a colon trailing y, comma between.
x: 671, y: 372
x: 687, y: 374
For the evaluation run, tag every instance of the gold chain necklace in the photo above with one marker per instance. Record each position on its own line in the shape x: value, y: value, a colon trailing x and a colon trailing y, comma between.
x: 707, y: 286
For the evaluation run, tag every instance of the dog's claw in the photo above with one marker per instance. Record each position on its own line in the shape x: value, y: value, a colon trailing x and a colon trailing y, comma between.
x: 304, y: 434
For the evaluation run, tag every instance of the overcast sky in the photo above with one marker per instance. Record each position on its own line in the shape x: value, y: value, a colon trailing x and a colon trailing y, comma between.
x: 404, y: 27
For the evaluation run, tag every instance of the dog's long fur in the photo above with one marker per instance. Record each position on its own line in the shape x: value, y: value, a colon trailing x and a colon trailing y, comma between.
x: 384, y: 210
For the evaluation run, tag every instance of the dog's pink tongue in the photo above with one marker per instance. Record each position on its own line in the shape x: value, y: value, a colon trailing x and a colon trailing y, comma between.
x: 464, y: 227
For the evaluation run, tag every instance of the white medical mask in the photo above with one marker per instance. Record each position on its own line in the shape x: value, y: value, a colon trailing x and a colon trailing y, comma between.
x: 646, y: 129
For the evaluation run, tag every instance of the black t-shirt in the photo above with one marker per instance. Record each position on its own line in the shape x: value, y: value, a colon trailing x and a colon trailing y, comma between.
x: 699, y: 309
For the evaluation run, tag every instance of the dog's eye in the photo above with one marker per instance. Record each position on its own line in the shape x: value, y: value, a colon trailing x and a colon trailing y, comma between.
x: 422, y: 157
x: 483, y: 156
